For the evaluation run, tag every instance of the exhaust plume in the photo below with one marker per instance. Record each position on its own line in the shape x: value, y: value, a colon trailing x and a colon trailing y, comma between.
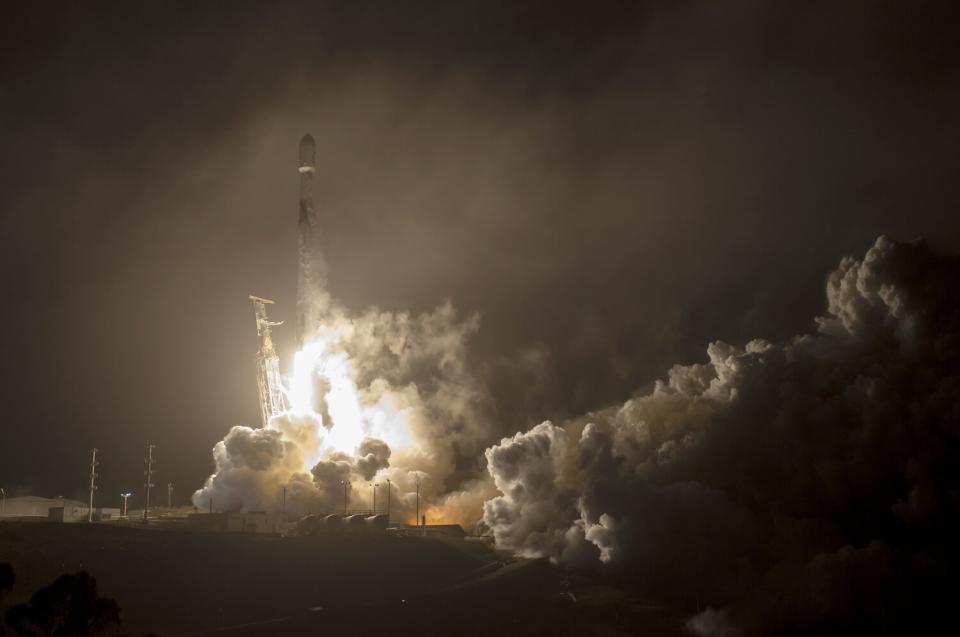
x: 374, y: 396
x: 807, y: 486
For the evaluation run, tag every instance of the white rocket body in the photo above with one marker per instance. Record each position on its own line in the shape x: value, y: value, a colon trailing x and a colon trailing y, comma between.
x: 311, y: 267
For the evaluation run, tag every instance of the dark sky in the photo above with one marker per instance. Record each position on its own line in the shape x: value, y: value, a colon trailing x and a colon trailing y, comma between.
x: 610, y: 185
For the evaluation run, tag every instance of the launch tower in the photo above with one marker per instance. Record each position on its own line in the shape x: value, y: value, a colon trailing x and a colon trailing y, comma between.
x: 272, y: 399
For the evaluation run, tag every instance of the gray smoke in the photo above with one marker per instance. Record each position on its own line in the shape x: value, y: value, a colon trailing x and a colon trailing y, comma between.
x: 372, y: 455
x: 807, y: 486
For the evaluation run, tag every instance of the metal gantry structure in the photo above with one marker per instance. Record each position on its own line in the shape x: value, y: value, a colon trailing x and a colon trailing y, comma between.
x: 273, y: 401
x: 93, y: 481
x: 149, y: 482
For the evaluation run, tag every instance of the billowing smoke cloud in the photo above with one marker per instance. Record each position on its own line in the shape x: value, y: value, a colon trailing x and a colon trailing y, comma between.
x: 249, y: 463
x: 372, y: 455
x: 808, y: 486
x: 377, y: 397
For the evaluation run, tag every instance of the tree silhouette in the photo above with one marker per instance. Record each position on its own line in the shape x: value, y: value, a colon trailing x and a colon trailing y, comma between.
x: 6, y: 579
x: 69, y: 606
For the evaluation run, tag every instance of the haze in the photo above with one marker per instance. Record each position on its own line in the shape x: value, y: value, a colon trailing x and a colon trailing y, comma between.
x: 609, y: 189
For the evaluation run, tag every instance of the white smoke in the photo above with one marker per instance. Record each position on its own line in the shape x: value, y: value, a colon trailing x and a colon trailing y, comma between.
x: 774, y: 479
x: 376, y: 396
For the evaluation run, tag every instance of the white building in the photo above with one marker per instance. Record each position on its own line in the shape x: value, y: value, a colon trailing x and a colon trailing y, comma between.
x: 30, y: 506
x: 68, y: 513
x: 54, y: 509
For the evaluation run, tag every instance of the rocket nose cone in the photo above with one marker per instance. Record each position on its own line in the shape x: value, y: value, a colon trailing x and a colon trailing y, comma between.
x: 308, y: 151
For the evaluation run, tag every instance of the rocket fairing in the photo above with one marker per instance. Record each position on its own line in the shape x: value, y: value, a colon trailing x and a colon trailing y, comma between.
x: 312, y: 269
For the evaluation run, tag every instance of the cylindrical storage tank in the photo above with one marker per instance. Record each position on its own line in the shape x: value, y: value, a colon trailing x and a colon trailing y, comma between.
x: 333, y: 518
x: 377, y: 521
x: 308, y: 524
x: 353, y: 520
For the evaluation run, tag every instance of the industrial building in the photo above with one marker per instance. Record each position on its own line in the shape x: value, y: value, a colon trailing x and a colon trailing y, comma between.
x: 33, y: 508
x: 428, y: 530
x: 30, y: 506
x: 247, y: 522
x: 74, y: 513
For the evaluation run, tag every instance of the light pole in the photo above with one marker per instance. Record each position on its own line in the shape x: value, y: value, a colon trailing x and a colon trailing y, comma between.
x: 124, y: 496
x: 388, y: 501
x: 93, y: 481
x: 169, y: 494
x: 416, y: 520
x: 345, y: 485
x: 149, y: 483
x: 3, y: 501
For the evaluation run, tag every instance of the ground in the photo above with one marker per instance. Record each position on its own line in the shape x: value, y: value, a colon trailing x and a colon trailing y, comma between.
x: 184, y: 583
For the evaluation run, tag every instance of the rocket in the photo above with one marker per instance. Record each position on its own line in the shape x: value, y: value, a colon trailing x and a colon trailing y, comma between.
x: 311, y: 267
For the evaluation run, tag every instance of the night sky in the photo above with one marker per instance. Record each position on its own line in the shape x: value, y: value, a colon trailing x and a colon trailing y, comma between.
x: 609, y: 185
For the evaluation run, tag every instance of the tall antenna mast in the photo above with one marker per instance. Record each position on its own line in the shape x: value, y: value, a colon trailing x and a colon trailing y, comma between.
x: 149, y: 483
x: 273, y: 402
x: 93, y: 481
